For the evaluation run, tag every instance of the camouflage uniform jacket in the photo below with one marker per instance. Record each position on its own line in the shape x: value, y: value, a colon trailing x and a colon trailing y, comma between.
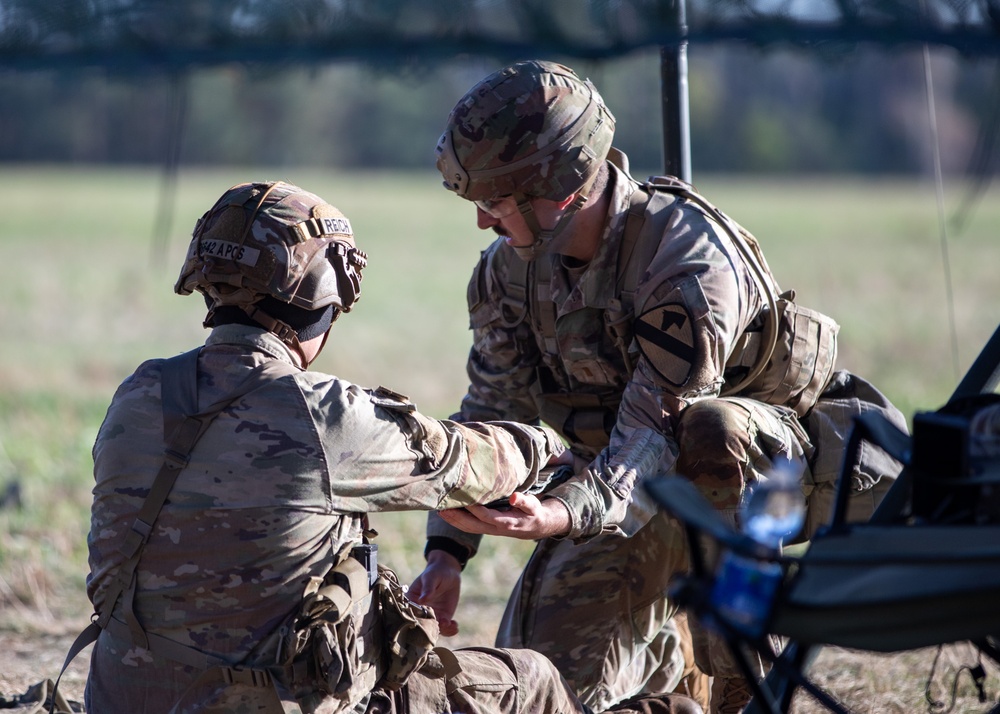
x: 275, y: 489
x: 693, y: 303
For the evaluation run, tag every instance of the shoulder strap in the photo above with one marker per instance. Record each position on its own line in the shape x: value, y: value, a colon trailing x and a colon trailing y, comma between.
x: 630, y: 269
x: 750, y: 251
x: 182, y: 426
x: 514, y: 305
x: 639, y: 242
x: 540, y: 304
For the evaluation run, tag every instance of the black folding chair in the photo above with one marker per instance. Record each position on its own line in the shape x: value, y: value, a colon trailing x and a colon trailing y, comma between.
x: 924, y: 570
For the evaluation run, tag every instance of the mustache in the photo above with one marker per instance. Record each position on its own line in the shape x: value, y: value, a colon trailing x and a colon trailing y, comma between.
x: 499, y: 231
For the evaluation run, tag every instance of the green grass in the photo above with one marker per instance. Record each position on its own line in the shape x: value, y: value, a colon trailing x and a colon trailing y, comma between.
x: 85, y: 295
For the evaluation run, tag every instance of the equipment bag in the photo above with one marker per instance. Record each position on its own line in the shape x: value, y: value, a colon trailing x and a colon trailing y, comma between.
x: 411, y: 631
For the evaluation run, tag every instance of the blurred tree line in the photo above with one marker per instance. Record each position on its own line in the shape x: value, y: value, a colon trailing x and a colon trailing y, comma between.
x: 857, y: 111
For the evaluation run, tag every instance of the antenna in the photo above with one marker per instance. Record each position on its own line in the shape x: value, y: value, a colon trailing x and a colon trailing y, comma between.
x: 939, y: 192
x: 674, y: 100
x: 179, y: 89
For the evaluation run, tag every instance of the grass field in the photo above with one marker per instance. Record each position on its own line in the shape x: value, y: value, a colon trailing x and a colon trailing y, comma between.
x: 86, y: 293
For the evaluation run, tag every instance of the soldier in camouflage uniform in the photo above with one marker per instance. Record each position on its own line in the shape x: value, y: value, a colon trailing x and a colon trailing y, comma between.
x: 230, y: 571
x: 611, y: 310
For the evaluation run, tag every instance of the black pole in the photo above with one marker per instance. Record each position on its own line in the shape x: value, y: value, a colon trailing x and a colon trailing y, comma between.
x: 984, y: 374
x: 674, y: 93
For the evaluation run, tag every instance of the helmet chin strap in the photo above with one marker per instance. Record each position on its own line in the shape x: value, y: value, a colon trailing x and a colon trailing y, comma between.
x: 544, y: 238
x: 281, y: 330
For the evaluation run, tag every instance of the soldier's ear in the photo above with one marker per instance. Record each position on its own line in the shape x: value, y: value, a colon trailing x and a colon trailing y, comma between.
x: 561, y: 205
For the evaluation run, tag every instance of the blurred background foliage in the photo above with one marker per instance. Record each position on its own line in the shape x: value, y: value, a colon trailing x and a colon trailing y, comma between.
x: 786, y: 86
x: 862, y: 111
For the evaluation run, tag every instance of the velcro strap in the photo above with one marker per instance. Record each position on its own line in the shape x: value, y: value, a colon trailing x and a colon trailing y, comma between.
x: 514, y: 304
x: 357, y: 577
x: 333, y: 601
x: 86, y: 638
x: 135, y: 538
x: 213, y: 668
x: 545, y: 313
x: 138, y: 632
x: 181, y: 442
x: 449, y: 662
x: 316, y: 227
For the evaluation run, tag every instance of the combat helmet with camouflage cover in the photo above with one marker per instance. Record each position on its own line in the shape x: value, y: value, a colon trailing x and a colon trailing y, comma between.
x: 281, y: 256
x: 532, y: 130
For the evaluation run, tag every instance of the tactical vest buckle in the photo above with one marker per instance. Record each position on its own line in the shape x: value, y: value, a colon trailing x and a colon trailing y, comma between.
x: 249, y: 677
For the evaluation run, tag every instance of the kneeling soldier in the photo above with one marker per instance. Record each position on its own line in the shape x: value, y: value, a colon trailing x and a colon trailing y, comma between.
x: 231, y: 569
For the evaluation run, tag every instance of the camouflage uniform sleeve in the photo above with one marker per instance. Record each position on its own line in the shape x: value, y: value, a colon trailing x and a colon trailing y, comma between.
x: 501, y: 365
x: 383, y: 455
x: 694, y: 301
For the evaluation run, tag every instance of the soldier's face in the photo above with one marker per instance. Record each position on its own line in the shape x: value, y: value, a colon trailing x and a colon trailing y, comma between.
x: 502, y: 217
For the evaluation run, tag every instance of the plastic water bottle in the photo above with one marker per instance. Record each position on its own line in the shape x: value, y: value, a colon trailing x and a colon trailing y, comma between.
x: 774, y: 510
x: 745, y: 588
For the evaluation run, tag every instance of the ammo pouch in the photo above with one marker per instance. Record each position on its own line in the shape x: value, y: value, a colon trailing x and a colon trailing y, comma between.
x: 409, y: 631
x: 802, y: 362
x: 344, y: 646
x: 332, y: 643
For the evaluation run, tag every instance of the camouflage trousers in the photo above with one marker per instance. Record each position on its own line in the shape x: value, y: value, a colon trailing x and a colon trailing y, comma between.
x: 598, y: 610
x: 481, y: 680
x: 476, y: 680
x: 728, y: 444
x: 465, y: 681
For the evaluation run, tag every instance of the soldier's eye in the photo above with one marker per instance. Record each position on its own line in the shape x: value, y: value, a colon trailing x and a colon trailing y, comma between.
x: 495, y: 206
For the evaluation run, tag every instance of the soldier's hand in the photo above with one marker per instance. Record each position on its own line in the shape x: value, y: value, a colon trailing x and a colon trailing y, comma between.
x: 439, y: 587
x: 527, y: 518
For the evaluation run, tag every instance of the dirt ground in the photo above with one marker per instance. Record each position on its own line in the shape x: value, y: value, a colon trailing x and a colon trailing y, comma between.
x: 864, y: 682
x: 26, y: 659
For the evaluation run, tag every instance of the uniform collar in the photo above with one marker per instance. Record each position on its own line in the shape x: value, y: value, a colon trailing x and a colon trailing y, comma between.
x: 254, y: 338
x: 596, y: 287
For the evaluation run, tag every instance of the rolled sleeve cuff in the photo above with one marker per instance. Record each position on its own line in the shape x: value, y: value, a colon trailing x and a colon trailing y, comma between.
x: 586, y: 511
x: 553, y: 443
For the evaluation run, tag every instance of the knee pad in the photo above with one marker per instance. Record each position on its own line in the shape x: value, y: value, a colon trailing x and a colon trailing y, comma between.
x: 713, y: 438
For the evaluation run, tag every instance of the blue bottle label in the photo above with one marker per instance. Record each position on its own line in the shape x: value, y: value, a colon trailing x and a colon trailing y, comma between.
x: 744, y: 592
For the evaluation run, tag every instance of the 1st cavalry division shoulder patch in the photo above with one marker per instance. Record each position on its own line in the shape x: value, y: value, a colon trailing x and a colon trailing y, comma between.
x: 666, y: 338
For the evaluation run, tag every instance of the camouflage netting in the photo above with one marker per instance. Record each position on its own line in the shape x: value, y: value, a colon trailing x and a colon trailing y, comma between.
x: 184, y: 33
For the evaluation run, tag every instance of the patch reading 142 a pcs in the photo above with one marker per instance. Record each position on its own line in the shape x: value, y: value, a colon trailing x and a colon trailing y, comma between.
x: 666, y: 339
x: 230, y: 251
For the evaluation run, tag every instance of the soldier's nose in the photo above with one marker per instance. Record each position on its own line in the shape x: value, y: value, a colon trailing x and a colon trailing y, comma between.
x: 484, y: 220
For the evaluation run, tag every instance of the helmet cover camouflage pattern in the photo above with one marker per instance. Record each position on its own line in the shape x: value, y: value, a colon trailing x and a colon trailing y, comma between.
x: 276, y: 239
x: 534, y: 128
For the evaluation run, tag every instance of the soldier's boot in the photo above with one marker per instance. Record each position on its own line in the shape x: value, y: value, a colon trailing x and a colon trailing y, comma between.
x: 694, y: 683
x: 730, y: 695
x: 658, y: 704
